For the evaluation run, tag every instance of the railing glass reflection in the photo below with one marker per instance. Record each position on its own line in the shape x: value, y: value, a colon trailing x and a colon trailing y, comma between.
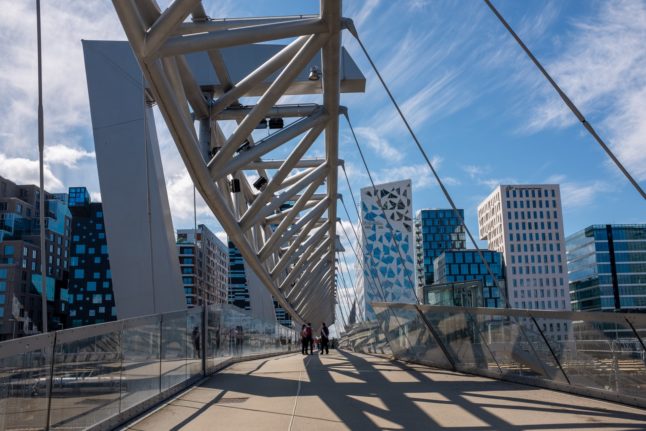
x: 595, y: 354
x: 79, y: 378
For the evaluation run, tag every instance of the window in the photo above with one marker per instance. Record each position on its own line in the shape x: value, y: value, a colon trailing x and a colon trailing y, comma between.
x: 8, y: 250
x: 80, y: 249
x: 91, y: 286
x: 79, y: 273
x: 104, y: 249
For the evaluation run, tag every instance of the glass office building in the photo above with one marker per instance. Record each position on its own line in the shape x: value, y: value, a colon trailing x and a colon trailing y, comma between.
x: 90, y: 287
x: 436, y: 230
x: 455, y: 266
x: 607, y: 268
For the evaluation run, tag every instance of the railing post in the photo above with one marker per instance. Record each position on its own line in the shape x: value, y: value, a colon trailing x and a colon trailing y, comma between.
x: 205, y: 321
x: 436, y: 336
x: 540, y: 331
x: 483, y: 340
x: 161, y: 349
x: 50, y: 383
x: 636, y: 334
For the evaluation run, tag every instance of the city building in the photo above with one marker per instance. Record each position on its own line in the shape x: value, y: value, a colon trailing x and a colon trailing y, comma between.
x: 387, y: 246
x: 246, y: 292
x: 204, y: 264
x: 457, y: 266
x: 91, y: 299
x: 436, y: 230
x: 20, y: 275
x: 607, y: 268
x: 525, y: 224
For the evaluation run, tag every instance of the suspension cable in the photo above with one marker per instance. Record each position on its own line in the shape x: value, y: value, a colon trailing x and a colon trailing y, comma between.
x: 346, y: 288
x: 446, y: 193
x: 568, y: 102
x: 383, y: 210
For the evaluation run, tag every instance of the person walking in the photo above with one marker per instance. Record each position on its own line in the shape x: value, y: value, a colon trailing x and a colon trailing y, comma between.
x: 325, y: 339
x: 303, y: 340
x: 309, y: 339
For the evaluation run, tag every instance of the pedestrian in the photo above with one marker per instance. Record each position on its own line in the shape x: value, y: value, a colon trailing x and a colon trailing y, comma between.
x: 309, y: 338
x: 303, y: 340
x: 325, y: 340
x: 195, y: 335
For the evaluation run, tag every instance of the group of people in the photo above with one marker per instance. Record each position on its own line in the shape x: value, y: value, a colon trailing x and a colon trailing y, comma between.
x: 307, y: 339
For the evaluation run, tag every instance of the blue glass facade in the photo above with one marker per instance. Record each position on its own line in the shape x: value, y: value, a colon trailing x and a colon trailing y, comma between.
x: 91, y: 299
x: 607, y: 268
x: 466, y: 265
x: 437, y: 230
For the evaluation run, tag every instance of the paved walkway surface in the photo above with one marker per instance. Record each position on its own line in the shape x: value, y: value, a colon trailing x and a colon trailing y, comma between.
x: 344, y: 391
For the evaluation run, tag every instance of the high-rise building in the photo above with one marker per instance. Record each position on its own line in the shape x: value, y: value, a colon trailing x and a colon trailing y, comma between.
x: 388, y: 246
x: 20, y: 275
x: 456, y: 266
x: 90, y: 286
x: 204, y: 263
x: 607, y: 268
x: 436, y: 230
x: 243, y: 281
x: 525, y: 224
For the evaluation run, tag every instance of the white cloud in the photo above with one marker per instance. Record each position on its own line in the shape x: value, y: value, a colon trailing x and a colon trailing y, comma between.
x: 25, y: 171
x: 420, y: 174
x: 68, y: 156
x: 377, y: 142
x: 578, y: 194
x: 222, y: 236
x: 603, y: 70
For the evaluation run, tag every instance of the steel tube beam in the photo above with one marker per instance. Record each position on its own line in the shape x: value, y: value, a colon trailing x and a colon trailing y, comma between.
x: 276, y: 164
x: 314, y: 214
x: 229, y: 23
x: 250, y: 218
x: 179, y: 45
x: 280, y: 59
x: 270, y: 143
x: 163, y: 27
x: 279, y: 111
x: 287, y: 256
x: 273, y: 93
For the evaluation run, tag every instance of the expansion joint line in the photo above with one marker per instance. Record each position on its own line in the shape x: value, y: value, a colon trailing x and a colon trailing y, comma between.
x: 568, y: 102
x: 445, y: 191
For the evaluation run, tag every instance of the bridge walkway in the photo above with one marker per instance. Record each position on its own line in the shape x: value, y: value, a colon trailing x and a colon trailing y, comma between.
x: 346, y: 390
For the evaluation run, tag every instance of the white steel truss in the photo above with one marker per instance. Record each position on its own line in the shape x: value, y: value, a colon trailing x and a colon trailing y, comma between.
x: 284, y: 223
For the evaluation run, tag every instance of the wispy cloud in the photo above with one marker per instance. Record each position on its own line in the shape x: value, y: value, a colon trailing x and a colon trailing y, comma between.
x: 603, y: 69
x: 579, y: 194
x: 68, y: 156
x: 378, y: 143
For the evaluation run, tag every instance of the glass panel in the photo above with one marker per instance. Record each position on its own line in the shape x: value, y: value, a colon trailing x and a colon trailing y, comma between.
x: 141, y: 365
x: 87, y: 371
x: 174, y: 342
x: 24, y: 370
x: 410, y: 338
x: 194, y: 340
x: 599, y: 354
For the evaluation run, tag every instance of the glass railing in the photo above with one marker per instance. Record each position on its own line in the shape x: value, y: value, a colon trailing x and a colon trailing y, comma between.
x: 591, y: 353
x: 99, y: 374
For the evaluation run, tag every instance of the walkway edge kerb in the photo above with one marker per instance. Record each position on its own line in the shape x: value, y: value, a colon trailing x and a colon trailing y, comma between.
x: 592, y: 393
x: 151, y: 405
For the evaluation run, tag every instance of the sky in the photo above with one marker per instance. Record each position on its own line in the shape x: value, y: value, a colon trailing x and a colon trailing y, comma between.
x: 481, y: 109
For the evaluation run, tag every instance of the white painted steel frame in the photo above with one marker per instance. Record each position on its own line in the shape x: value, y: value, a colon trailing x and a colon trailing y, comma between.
x: 292, y: 252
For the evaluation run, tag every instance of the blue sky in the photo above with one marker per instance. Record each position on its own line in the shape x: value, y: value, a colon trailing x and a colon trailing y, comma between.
x: 480, y: 108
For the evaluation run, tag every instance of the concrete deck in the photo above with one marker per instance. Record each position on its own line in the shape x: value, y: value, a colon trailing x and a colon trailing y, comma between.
x: 351, y: 391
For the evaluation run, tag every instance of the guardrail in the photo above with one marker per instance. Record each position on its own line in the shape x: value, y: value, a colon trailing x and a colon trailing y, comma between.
x: 596, y: 354
x: 99, y: 376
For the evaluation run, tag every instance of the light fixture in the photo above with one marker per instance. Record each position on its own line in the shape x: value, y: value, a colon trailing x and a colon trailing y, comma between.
x: 276, y: 123
x: 260, y: 183
x: 235, y: 185
x: 314, y: 75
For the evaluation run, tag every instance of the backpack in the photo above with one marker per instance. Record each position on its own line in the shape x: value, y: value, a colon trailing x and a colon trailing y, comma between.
x: 308, y: 332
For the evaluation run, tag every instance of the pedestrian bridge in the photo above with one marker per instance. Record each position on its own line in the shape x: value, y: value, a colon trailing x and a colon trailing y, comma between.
x: 345, y: 390
x: 417, y: 367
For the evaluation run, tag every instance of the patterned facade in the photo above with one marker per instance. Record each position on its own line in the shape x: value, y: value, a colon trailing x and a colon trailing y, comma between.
x: 388, y: 245
x: 90, y: 287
